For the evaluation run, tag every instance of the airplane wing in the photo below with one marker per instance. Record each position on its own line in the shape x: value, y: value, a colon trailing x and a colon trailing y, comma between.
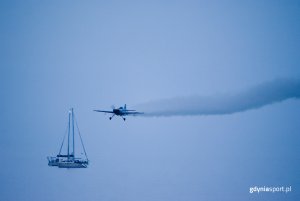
x: 103, y: 111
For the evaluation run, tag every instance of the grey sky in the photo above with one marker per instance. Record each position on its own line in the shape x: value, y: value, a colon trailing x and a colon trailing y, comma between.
x: 90, y: 55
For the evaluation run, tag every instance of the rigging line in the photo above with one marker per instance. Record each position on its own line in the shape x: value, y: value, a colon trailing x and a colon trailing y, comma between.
x: 73, y: 133
x: 63, y: 140
x: 80, y: 137
x: 69, y: 137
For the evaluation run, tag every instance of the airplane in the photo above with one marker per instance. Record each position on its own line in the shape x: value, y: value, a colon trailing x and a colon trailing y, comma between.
x: 121, y: 111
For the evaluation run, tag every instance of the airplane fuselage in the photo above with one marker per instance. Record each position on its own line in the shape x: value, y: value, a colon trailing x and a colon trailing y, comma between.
x: 118, y: 112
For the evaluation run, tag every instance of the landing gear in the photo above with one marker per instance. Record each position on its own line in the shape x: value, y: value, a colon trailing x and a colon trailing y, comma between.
x: 111, y: 117
x: 118, y: 115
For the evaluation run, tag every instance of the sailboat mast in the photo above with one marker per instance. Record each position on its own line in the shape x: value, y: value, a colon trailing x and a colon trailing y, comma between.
x: 69, y: 137
x: 73, y: 133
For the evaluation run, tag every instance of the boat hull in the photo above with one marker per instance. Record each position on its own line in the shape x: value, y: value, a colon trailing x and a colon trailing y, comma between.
x: 72, y: 164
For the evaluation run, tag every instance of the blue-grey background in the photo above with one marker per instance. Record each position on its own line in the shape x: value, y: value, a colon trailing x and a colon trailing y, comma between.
x: 92, y: 54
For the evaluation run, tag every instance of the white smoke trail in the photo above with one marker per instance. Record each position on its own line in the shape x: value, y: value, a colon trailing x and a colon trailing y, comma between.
x: 254, y: 97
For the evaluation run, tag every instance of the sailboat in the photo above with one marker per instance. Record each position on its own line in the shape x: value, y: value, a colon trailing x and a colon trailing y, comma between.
x: 69, y: 160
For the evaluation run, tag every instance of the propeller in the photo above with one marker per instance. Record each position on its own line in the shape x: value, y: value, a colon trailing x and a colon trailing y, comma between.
x: 112, y: 107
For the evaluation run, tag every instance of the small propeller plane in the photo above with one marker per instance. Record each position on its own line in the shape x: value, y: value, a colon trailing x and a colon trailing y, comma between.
x: 121, y: 111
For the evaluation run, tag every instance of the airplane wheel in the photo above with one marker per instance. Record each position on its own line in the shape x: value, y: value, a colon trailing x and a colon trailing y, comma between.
x: 109, y: 118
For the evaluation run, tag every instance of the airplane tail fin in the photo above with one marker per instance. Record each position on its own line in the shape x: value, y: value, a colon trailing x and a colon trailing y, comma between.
x: 125, y: 106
